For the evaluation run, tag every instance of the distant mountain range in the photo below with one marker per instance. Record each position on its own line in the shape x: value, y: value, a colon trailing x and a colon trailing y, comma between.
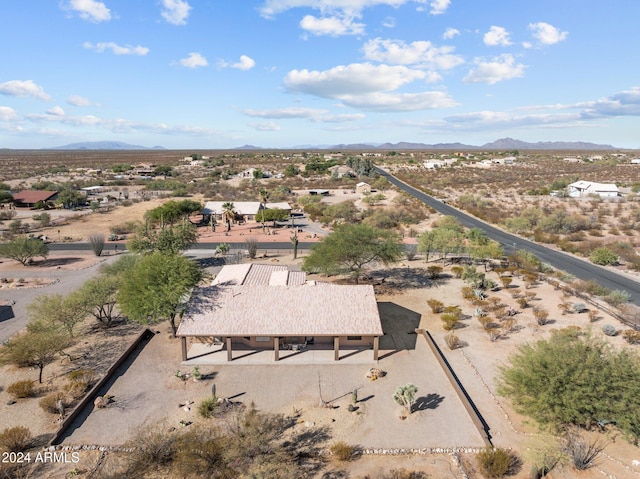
x: 103, y: 145
x: 502, y: 144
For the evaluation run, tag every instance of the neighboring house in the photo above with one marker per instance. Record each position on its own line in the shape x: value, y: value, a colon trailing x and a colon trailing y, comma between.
x: 339, y: 171
x: 248, y: 209
x: 93, y: 190
x: 635, y: 161
x: 29, y: 198
x: 585, y: 188
x: 363, y: 188
x: 268, y: 307
x: 250, y: 172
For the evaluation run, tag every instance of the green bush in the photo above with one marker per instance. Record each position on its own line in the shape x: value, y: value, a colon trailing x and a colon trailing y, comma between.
x: 208, y: 407
x: 22, y: 389
x: 15, y: 439
x: 342, y: 451
x: 569, y: 357
x: 494, y: 462
x: 603, y: 256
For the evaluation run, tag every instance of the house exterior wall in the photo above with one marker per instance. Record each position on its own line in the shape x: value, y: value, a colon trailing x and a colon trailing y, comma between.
x: 266, y: 342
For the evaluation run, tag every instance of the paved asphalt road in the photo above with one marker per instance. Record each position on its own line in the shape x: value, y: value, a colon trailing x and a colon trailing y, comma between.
x: 579, y: 268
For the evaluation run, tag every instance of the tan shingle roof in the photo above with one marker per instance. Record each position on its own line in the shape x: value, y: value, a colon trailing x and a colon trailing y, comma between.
x: 322, y: 310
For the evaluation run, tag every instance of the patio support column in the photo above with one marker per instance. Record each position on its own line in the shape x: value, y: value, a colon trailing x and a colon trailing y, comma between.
x: 336, y: 348
x: 229, y: 350
x: 276, y: 347
x: 183, y: 340
x: 376, y: 345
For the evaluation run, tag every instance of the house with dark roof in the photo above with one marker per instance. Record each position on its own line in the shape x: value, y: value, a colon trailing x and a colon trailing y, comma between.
x: 29, y: 198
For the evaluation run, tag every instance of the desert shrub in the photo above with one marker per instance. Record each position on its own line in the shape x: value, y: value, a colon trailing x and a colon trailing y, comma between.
x: 541, y: 315
x: 208, y: 407
x: 593, y: 315
x: 495, y: 462
x: 453, y: 310
x: 467, y: 293
x: 579, y: 307
x: 603, y: 256
x: 449, y: 321
x: 51, y: 402
x: 617, y: 297
x: 14, y: 439
x: 342, y: 451
x: 22, y: 389
x: 452, y: 341
x: 509, y: 324
x: 506, y: 281
x: 631, y: 336
x: 125, y: 228
x: 581, y: 451
x: 96, y: 241
x: 435, y: 305
x: 457, y: 271
x: 79, y: 381
x: 523, y: 302
x: 433, y: 272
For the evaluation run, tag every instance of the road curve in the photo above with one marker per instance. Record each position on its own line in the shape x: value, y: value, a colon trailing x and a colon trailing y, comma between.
x: 575, y: 266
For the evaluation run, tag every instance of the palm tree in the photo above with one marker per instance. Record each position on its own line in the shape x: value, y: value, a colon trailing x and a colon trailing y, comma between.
x: 264, y: 196
x: 228, y: 213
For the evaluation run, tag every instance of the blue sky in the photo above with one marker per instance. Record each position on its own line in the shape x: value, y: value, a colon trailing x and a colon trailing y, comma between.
x: 192, y: 74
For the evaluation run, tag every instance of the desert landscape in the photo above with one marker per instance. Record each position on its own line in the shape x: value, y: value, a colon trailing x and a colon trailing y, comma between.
x: 437, y: 440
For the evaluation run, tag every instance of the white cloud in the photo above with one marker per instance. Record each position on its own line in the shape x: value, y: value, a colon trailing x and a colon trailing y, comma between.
x: 353, y: 79
x: 77, y: 100
x: 194, y: 60
x: 56, y: 111
x: 340, y: 118
x: 245, y: 63
x: 7, y: 113
x: 89, y: 10
x: 438, y: 7
x: 314, y: 114
x: 500, y: 68
x: 265, y: 126
x: 497, y: 36
x: 334, y: 26
x: 175, y: 12
x: 547, y: 34
x: 24, y: 88
x: 116, y: 49
x: 382, y: 101
x: 419, y: 53
x: 286, y: 113
x: 368, y: 87
x: 449, y: 33
x: 624, y: 103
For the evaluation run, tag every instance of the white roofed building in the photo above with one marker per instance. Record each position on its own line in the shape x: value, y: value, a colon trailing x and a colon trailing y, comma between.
x: 586, y: 188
